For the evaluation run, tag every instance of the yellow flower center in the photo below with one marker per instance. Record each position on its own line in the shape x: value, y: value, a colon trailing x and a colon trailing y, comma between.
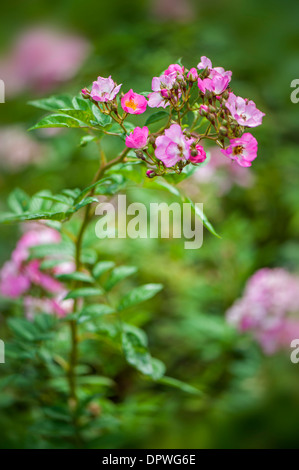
x: 131, y: 104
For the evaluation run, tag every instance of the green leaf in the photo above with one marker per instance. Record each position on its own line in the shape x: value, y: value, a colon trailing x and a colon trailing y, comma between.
x: 156, y: 117
x: 91, y: 312
x: 102, y: 120
x: 158, y: 369
x: 139, y: 294
x: 58, y: 120
x: 101, y: 267
x: 59, y: 250
x: 53, y: 103
x: 197, y: 210
x: 180, y: 385
x: 86, y: 139
x: 83, y: 116
x: 11, y: 218
x: 118, y: 274
x: 161, y: 184
x: 83, y: 292
x: 18, y: 201
x: 75, y: 276
x: 134, y: 346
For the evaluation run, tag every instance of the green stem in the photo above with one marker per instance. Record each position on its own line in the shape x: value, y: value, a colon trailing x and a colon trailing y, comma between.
x: 73, y: 324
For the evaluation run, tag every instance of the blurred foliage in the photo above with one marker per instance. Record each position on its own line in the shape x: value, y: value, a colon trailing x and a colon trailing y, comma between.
x: 248, y: 400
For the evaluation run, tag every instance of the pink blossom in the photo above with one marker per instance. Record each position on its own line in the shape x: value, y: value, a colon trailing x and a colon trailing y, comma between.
x: 162, y: 90
x: 206, y: 63
x: 138, y: 138
x: 266, y: 308
x: 133, y: 103
x: 41, y: 59
x: 201, y: 155
x: 243, y: 111
x: 104, y: 89
x: 173, y: 146
x: 242, y: 149
x: 217, y: 84
x: 178, y: 69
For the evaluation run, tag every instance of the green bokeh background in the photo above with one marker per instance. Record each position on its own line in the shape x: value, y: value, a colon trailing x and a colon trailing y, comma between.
x: 250, y: 400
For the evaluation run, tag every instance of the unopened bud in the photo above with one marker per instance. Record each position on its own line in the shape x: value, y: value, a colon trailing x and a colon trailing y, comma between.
x: 85, y: 93
x: 150, y: 173
x: 225, y: 94
x: 211, y: 117
x: 223, y: 131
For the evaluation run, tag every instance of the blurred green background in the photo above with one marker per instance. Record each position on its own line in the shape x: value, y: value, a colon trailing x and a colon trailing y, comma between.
x: 249, y: 400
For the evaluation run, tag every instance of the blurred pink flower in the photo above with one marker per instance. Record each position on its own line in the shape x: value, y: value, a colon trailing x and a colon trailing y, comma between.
x: 133, y: 103
x: 18, y: 149
x: 177, y: 10
x: 267, y: 308
x: 222, y: 173
x: 41, y: 59
x: 20, y: 273
x: 33, y: 306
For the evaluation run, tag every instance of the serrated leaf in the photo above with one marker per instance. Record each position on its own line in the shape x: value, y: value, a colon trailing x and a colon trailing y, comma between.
x: 18, y: 201
x: 101, y: 119
x: 53, y: 103
x: 58, y: 120
x: 101, y: 267
x: 118, y: 274
x: 156, y: 117
x: 81, y: 115
x: 139, y: 294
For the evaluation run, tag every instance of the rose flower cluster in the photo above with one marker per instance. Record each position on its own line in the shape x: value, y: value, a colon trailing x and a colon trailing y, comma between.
x: 205, y: 93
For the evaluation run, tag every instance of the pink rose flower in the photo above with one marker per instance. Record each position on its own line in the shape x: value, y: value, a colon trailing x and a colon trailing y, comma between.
x: 242, y: 149
x: 104, y: 89
x: 201, y: 155
x: 243, y: 111
x: 133, y: 103
x: 138, y: 138
x: 206, y: 63
x: 162, y: 90
x: 178, y: 69
x: 173, y: 146
x: 217, y: 84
